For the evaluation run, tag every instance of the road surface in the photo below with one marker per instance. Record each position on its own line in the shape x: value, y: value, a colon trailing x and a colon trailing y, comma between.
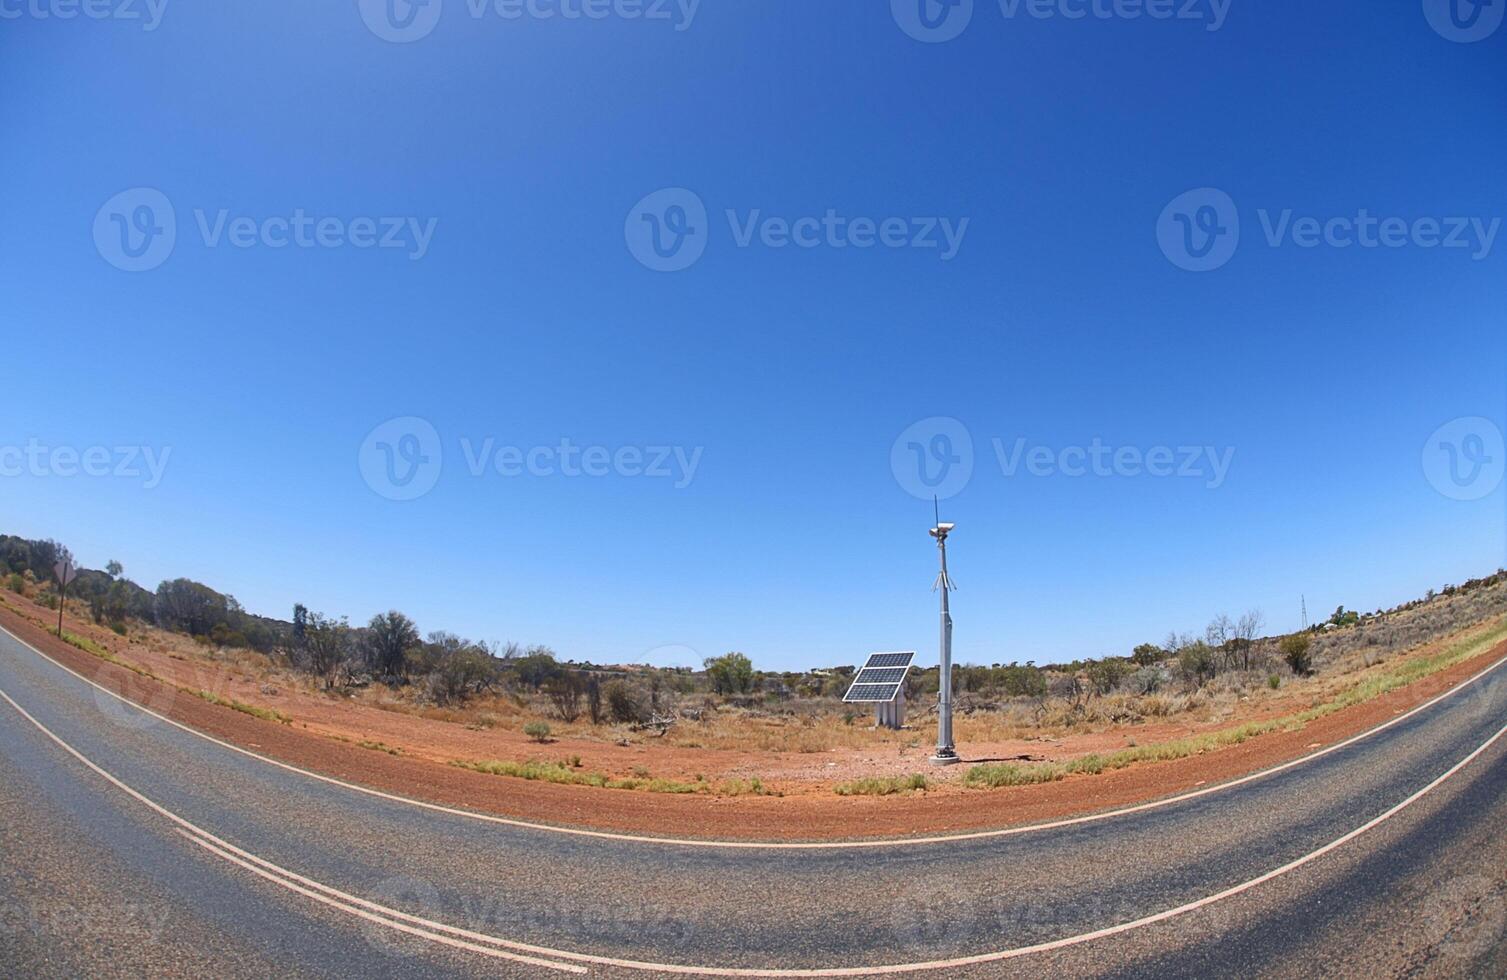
x: 134, y: 847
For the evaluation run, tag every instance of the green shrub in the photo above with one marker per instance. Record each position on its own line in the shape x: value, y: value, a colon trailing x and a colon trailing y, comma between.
x: 882, y: 786
x: 537, y: 730
x: 1297, y: 651
x: 1273, y: 681
x: 16, y: 583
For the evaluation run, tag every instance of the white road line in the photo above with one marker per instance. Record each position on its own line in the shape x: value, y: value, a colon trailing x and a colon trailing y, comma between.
x: 773, y: 845
x: 205, y: 839
x: 478, y: 942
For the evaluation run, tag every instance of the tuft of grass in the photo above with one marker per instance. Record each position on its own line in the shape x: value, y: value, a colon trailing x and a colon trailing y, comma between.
x: 563, y: 774
x: 882, y: 786
x: 379, y: 747
x: 85, y: 644
x: 266, y: 714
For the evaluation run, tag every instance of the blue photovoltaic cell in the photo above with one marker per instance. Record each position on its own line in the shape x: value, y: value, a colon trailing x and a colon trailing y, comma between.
x: 890, y: 660
x: 880, y: 675
x: 872, y: 692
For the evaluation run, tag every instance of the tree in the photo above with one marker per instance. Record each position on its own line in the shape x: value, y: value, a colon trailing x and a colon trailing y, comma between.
x: 1147, y: 654
x: 1247, y: 629
x: 731, y: 673
x: 390, y: 639
x: 537, y: 665
x: 327, y: 647
x: 564, y: 691
x: 1105, y: 675
x: 594, y: 700
x: 190, y: 607
x: 114, y: 569
x: 1297, y: 651
x: 1197, y: 662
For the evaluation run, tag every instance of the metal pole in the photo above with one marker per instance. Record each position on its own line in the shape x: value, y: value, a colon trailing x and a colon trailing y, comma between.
x: 946, y: 751
x: 62, y: 600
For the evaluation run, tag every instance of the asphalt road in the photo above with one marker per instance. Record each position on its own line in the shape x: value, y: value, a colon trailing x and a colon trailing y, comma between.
x: 132, y: 847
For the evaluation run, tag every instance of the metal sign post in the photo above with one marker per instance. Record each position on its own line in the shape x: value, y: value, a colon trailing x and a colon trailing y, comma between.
x: 65, y: 573
x: 947, y: 753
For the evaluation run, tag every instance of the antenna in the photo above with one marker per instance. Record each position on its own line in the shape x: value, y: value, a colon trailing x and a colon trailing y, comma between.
x: 1305, y: 612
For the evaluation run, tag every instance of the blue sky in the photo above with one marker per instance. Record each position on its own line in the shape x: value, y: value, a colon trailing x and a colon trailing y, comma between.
x: 529, y: 313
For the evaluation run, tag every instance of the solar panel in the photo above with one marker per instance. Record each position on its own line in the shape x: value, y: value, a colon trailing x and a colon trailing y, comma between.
x: 880, y: 679
x: 880, y: 675
x: 872, y: 692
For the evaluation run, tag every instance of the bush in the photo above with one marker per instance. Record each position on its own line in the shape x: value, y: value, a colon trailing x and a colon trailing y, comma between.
x: 16, y: 583
x: 537, y: 730
x: 623, y: 705
x: 1197, y: 662
x: 1273, y: 681
x: 1105, y: 675
x: 882, y: 786
x: 1297, y: 650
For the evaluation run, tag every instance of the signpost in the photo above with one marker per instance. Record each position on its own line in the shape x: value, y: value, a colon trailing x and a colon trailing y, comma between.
x: 65, y: 573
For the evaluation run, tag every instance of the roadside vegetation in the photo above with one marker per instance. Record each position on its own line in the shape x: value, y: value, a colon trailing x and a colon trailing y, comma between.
x: 1222, y: 685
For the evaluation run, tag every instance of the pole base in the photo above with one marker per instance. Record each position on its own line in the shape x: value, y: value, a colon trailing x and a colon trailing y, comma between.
x: 945, y: 757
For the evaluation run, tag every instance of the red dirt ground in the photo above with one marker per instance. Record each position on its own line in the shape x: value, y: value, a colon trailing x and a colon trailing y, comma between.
x: 423, y: 773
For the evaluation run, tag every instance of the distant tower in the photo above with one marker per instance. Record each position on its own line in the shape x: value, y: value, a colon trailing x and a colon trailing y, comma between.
x: 1305, y: 612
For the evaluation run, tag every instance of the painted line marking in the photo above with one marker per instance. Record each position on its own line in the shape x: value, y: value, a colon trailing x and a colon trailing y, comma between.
x: 775, y: 845
x: 437, y: 931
